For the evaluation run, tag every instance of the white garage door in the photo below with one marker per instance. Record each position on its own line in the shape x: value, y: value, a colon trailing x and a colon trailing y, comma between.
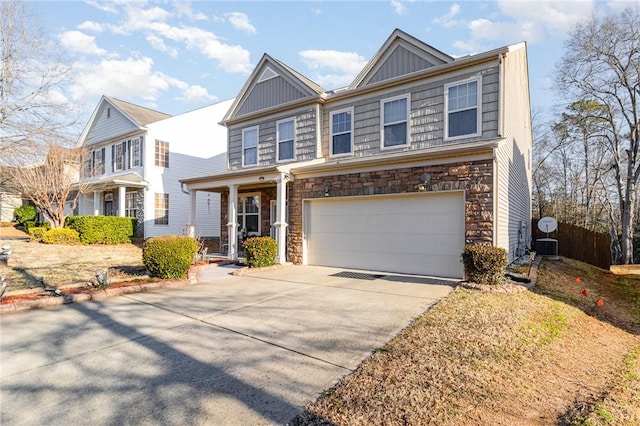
x: 413, y: 234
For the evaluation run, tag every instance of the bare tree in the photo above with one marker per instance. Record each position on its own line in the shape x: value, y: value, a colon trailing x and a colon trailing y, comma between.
x: 33, y: 108
x: 51, y: 182
x: 602, y: 63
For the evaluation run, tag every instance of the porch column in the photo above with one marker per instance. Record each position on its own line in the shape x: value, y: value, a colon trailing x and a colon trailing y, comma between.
x: 232, y: 224
x: 122, y: 190
x: 281, y: 217
x: 191, y: 226
x: 96, y: 203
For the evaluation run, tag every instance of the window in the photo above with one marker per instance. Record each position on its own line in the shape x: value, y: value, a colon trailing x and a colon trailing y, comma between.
x: 118, y: 156
x: 161, y: 209
x: 463, y: 114
x: 135, y: 153
x: 341, y: 125
x: 162, y: 153
x: 250, y: 147
x: 395, y: 113
x: 130, y: 204
x: 285, y: 139
x: 94, y: 164
x: 249, y: 214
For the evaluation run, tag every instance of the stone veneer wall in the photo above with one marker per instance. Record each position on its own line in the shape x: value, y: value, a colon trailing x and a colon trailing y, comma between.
x: 474, y: 177
x: 139, y: 213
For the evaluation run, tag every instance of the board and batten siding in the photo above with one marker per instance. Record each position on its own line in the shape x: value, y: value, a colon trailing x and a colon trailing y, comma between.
x: 400, y: 62
x: 305, y: 138
x: 105, y: 128
x: 426, y: 115
x: 268, y: 93
x: 514, y: 159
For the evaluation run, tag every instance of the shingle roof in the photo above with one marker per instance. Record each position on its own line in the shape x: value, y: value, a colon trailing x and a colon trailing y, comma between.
x: 141, y: 115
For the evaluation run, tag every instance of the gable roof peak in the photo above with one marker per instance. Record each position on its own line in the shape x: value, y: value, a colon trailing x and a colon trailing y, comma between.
x: 138, y: 114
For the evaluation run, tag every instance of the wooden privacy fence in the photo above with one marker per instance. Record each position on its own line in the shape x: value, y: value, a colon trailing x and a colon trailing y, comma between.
x: 578, y: 243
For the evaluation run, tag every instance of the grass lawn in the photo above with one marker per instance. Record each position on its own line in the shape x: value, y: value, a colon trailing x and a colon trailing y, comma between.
x: 551, y: 356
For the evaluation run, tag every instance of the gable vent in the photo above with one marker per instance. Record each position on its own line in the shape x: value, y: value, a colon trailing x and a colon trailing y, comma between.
x: 267, y: 74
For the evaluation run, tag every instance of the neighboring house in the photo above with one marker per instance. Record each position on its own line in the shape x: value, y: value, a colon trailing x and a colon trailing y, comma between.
x: 422, y: 154
x: 137, y: 157
x: 9, y: 201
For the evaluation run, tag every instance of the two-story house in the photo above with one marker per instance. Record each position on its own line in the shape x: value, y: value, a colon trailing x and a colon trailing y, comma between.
x: 137, y: 157
x: 422, y: 154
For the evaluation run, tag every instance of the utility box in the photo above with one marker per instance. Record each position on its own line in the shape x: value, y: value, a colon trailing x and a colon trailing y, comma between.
x: 547, y: 247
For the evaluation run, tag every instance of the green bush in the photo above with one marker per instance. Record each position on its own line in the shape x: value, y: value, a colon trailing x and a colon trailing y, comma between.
x: 36, y: 232
x: 169, y: 256
x: 260, y: 251
x: 24, y: 213
x: 485, y: 264
x: 30, y: 224
x: 61, y: 236
x: 102, y: 229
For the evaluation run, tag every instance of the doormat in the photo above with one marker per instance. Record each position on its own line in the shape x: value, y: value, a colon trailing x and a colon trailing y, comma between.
x: 357, y: 275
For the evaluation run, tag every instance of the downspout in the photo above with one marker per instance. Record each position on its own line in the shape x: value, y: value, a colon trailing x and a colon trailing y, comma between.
x: 496, y: 180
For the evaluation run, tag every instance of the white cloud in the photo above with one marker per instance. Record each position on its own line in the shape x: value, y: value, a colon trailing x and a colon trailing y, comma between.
x: 197, y: 93
x: 158, y: 44
x: 183, y: 8
x: 91, y: 26
x: 553, y: 17
x: 240, y: 21
x: 398, y: 7
x: 81, y: 43
x: 342, y: 67
x: 109, y: 7
x: 447, y: 20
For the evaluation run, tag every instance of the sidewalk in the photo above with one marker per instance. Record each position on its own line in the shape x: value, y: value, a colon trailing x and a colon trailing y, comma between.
x: 11, y: 233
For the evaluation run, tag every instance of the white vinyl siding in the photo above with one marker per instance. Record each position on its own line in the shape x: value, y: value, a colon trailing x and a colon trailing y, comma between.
x: 341, y: 125
x: 395, y: 121
x: 463, y: 109
x: 250, y: 146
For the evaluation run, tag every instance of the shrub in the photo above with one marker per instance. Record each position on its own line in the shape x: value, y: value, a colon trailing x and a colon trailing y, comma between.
x: 485, y: 264
x: 24, y: 214
x: 169, y: 256
x: 102, y: 229
x: 30, y: 224
x: 260, y: 251
x: 36, y: 232
x: 61, y: 236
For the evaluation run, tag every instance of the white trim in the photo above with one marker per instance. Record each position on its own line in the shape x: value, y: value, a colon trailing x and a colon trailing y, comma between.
x: 478, y: 109
x: 331, y: 134
x: 243, y: 196
x: 407, y: 121
x: 248, y: 129
x: 285, y: 120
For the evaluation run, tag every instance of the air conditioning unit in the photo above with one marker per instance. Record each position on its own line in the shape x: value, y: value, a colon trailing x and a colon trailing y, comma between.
x: 547, y: 247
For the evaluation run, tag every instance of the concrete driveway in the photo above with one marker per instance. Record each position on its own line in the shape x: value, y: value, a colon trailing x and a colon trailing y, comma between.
x: 232, y: 350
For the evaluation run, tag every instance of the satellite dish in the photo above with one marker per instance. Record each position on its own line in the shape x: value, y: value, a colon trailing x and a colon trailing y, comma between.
x: 547, y: 224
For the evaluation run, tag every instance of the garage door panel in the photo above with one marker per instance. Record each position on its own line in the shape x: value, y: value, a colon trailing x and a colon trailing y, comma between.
x: 421, y: 234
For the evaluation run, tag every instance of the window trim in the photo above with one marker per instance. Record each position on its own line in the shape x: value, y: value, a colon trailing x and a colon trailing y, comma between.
x: 131, y: 153
x: 243, y: 196
x: 155, y: 209
x: 407, y: 121
x: 331, y: 134
x: 164, y: 163
x: 478, y: 131
x: 278, y: 141
x: 245, y: 130
x: 133, y: 209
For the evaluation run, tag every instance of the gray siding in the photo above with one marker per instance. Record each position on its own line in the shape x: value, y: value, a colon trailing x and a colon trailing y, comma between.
x: 305, y: 139
x: 272, y: 92
x: 400, y: 62
x: 426, y: 116
x: 109, y: 127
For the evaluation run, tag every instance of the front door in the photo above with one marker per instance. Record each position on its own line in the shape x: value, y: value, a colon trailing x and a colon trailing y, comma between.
x: 248, y: 218
x: 108, y: 208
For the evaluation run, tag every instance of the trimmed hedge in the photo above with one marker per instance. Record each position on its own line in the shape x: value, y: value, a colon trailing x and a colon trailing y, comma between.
x: 36, y: 232
x: 485, y: 264
x: 260, y: 251
x: 61, y: 236
x: 102, y: 229
x: 24, y: 214
x: 31, y: 224
x: 169, y: 256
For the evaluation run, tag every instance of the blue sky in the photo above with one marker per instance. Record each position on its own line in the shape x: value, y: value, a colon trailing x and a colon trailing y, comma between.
x: 179, y: 56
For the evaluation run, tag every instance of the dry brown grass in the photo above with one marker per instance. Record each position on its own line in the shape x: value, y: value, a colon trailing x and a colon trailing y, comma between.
x: 488, y: 358
x: 61, y: 265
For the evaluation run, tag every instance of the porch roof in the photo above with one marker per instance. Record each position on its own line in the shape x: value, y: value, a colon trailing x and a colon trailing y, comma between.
x: 111, y: 181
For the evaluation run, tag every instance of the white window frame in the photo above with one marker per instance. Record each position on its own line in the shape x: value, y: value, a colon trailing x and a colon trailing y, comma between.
x: 161, y: 152
x: 157, y: 209
x: 250, y: 129
x: 131, y: 211
x: 278, y: 141
x: 118, y: 156
x: 241, y: 199
x: 332, y: 134
x: 407, y: 121
x: 478, y: 107
x: 132, y: 158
